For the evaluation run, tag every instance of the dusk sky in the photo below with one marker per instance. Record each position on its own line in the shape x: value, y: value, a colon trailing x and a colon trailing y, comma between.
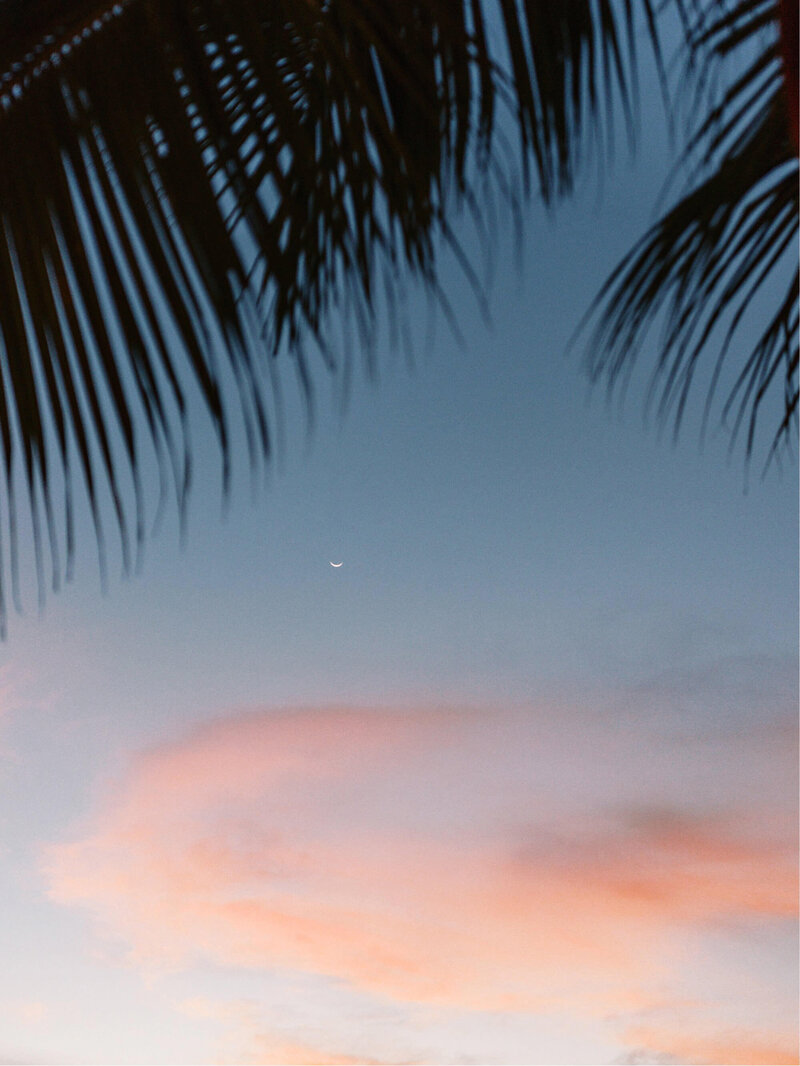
x: 515, y: 783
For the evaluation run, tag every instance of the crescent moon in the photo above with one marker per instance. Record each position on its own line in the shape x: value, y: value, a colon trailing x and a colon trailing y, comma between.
x: 336, y: 564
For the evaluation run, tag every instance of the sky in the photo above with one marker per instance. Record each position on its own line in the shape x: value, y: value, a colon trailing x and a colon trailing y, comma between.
x: 516, y: 783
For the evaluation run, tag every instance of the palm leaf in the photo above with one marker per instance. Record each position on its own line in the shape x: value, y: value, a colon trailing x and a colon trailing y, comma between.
x: 717, y: 258
x: 188, y: 187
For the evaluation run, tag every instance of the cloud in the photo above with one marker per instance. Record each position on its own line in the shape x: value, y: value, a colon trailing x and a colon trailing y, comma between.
x: 522, y: 859
x: 644, y: 1056
x: 266, y: 1049
x: 733, y: 1046
x: 27, y: 1011
x: 248, y: 1041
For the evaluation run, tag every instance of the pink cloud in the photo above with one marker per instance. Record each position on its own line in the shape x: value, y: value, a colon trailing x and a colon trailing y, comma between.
x: 267, y: 1050
x: 28, y: 1011
x: 498, y: 860
x: 735, y: 1047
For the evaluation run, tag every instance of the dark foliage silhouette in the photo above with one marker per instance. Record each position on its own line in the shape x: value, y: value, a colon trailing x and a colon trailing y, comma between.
x: 188, y: 187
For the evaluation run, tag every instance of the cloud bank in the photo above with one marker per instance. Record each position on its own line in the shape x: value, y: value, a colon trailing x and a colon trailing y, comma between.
x: 536, y: 859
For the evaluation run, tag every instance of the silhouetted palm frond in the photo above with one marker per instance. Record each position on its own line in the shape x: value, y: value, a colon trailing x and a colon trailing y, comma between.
x: 189, y: 185
x: 728, y: 247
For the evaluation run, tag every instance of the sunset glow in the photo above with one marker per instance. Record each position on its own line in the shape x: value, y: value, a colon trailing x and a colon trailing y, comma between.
x: 401, y: 664
x: 469, y: 861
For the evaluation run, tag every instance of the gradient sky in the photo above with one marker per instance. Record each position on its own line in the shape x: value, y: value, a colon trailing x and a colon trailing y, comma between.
x: 518, y: 783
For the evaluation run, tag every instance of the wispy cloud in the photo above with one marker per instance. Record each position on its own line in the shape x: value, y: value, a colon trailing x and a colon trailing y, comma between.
x: 733, y: 1046
x: 268, y: 1049
x: 28, y: 1011
x: 528, y: 859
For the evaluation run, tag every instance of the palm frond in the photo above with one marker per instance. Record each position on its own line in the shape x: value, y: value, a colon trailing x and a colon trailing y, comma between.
x: 189, y: 186
x: 718, y: 257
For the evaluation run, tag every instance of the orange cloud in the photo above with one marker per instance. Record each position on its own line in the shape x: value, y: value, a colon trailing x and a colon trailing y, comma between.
x: 249, y: 1042
x: 30, y: 1012
x: 735, y: 1047
x: 479, y: 861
